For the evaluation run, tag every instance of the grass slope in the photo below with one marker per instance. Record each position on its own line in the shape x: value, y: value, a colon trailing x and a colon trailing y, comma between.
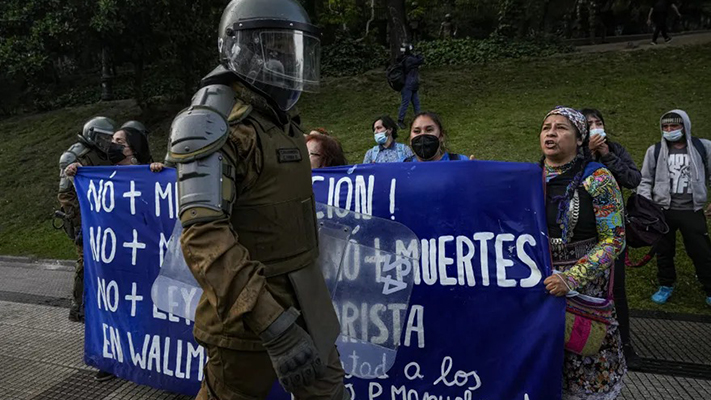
x: 493, y: 111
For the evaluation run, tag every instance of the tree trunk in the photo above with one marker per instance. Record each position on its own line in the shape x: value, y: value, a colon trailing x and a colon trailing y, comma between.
x: 107, y: 92
x: 138, y: 82
x: 397, y: 27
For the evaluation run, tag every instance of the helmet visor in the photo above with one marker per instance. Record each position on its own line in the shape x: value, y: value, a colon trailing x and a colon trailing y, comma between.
x: 287, y: 59
x: 101, y: 138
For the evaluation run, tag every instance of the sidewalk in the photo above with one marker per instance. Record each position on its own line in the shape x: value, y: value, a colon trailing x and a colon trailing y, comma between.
x: 41, y: 351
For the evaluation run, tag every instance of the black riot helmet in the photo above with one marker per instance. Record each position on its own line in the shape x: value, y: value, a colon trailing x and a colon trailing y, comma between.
x: 98, y: 132
x: 137, y: 126
x: 272, y: 46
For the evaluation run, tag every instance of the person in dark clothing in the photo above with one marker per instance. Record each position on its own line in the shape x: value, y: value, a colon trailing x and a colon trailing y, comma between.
x: 659, y: 14
x: 411, y: 62
x: 619, y: 162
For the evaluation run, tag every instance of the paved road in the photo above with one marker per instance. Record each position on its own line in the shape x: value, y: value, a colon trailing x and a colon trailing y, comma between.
x: 41, y: 351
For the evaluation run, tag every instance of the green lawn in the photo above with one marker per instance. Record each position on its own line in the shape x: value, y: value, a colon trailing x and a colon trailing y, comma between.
x: 493, y: 111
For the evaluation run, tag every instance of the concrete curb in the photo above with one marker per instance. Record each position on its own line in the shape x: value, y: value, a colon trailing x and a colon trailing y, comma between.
x: 66, y: 265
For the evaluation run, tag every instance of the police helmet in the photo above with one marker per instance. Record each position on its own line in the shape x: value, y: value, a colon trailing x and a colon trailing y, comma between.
x: 98, y: 132
x: 271, y: 46
x: 137, y: 126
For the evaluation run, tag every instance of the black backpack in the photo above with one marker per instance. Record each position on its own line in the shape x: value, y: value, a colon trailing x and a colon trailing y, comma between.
x: 644, y: 226
x: 395, y: 75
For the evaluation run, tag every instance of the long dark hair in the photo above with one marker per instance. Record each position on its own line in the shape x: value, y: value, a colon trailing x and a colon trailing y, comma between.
x: 582, y: 159
x: 138, y: 144
x: 388, y: 123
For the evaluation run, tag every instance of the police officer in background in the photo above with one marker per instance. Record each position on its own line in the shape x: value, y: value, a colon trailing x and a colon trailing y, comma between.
x: 91, y: 149
x: 247, y: 210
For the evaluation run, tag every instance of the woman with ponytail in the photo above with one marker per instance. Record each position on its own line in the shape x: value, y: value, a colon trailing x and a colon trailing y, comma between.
x: 584, y: 208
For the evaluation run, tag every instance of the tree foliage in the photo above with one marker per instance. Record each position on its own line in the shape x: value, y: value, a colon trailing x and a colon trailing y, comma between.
x: 50, y: 50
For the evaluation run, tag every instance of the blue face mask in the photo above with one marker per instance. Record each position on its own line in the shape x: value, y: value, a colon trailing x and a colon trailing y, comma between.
x: 673, y: 136
x: 598, y: 131
x: 381, y: 137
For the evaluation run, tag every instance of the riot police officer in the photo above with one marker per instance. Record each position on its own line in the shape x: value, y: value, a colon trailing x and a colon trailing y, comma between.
x: 91, y: 149
x: 247, y: 209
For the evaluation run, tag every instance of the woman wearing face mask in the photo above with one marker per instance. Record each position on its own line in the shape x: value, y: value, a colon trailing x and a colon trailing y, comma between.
x: 386, y: 149
x: 128, y: 147
x: 584, y: 212
x: 427, y: 139
x: 619, y: 162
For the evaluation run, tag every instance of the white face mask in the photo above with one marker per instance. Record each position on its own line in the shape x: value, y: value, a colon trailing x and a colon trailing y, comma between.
x: 598, y: 131
x: 673, y: 136
x: 381, y: 137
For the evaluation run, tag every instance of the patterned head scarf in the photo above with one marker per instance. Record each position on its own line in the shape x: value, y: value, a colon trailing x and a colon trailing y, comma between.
x: 574, y: 116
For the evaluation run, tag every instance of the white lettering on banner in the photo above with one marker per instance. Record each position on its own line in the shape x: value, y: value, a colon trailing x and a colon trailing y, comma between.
x: 98, y: 197
x: 108, y: 295
x: 112, y: 344
x: 172, y: 304
x: 97, y: 242
x: 464, y: 261
x: 132, y: 194
x: 461, y: 378
x: 372, y: 394
x: 443, y: 261
x: 162, y: 195
x: 188, y: 300
x: 157, y: 314
x: 364, y: 368
x: 155, y: 353
x: 403, y: 393
x: 501, y: 262
x: 416, y: 375
x: 133, y: 298
x: 134, y: 246
x: 162, y: 247
x: 434, y: 265
x: 410, y: 251
x: 357, y: 320
x: 358, y: 194
x: 535, y: 276
x: 483, y: 238
x: 337, y: 196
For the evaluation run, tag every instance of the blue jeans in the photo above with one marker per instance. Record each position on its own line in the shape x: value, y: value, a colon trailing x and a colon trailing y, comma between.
x: 408, y: 96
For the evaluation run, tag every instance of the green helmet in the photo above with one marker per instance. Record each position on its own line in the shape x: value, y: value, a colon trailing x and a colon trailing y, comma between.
x: 271, y: 46
x: 137, y: 126
x: 98, y: 132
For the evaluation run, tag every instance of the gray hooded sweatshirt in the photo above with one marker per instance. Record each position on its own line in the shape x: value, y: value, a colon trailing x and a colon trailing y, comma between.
x: 655, y: 173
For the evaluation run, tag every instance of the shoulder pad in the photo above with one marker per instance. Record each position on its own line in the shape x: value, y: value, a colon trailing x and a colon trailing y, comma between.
x: 201, y: 129
x: 76, y: 150
x: 67, y: 158
x: 218, y: 76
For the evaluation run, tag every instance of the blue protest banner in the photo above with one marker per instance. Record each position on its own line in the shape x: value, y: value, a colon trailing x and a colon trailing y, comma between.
x: 128, y: 214
x: 479, y: 324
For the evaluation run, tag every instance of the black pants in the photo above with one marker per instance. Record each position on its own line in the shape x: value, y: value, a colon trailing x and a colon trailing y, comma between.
x: 660, y: 25
x: 694, y: 231
x: 620, y: 296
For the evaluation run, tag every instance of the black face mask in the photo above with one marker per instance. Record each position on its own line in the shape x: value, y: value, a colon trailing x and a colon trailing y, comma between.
x: 425, y: 146
x: 116, y: 153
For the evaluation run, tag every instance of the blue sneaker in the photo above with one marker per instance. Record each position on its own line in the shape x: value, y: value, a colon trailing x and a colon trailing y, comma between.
x: 708, y: 301
x: 662, y: 294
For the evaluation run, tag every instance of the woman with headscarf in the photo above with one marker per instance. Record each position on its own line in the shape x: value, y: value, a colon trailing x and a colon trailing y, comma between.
x: 584, y: 210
